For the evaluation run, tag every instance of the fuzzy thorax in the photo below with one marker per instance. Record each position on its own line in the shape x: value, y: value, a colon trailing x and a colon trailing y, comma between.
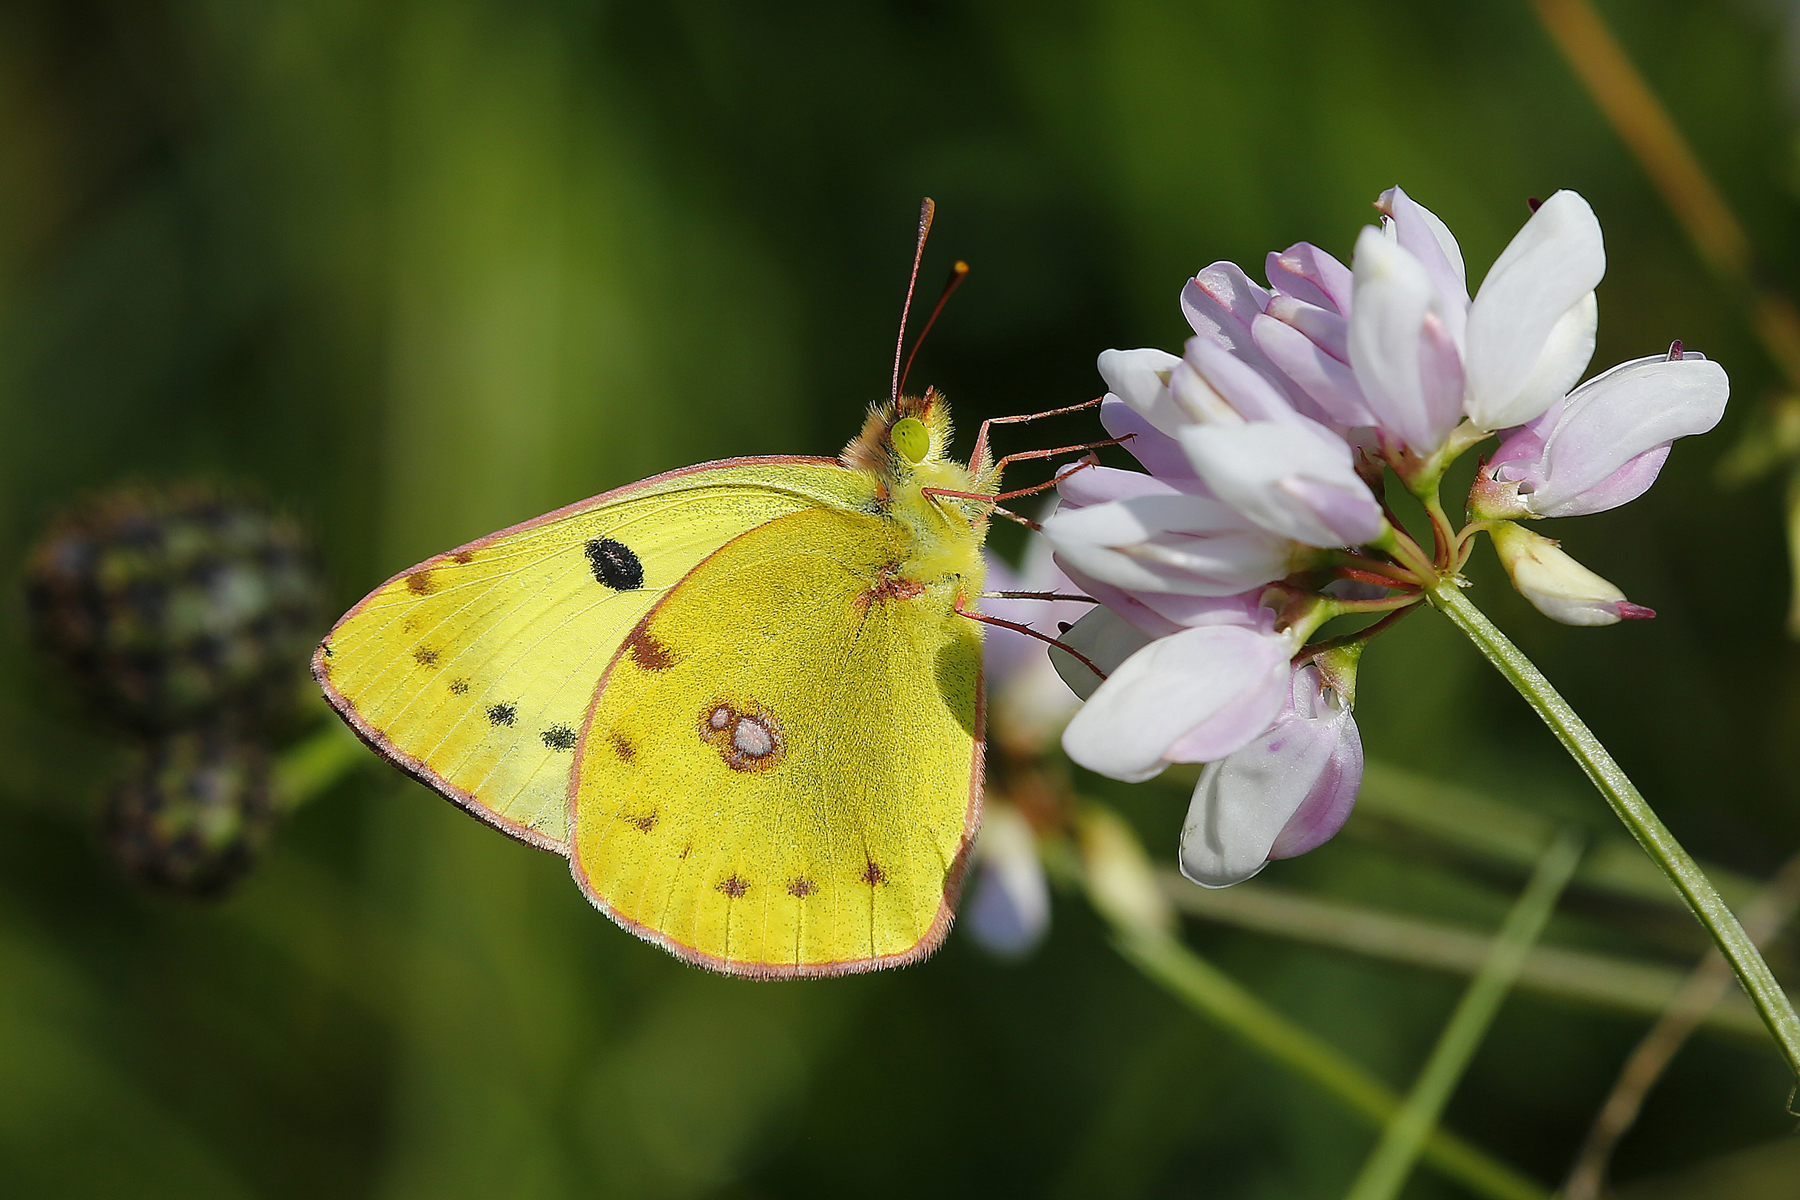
x: 946, y: 532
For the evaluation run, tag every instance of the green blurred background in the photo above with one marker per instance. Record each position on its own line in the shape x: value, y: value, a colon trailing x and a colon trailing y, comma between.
x: 417, y: 270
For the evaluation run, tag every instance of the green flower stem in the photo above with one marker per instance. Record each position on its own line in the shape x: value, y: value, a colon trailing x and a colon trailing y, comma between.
x: 1395, y: 542
x: 1389, y: 1164
x: 1771, y: 1002
x: 1219, y: 998
x: 316, y: 762
x: 1603, y: 980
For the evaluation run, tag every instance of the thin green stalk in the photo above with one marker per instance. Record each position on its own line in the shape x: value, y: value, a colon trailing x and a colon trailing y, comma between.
x: 1771, y: 1002
x: 316, y: 762
x: 1389, y: 1164
x: 1219, y: 998
x: 1604, y: 980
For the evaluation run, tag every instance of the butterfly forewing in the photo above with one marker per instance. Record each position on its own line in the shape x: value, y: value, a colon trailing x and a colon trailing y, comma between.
x: 780, y: 773
x: 474, y: 669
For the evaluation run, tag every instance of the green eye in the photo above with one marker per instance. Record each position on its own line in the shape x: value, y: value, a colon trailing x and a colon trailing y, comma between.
x: 911, y: 439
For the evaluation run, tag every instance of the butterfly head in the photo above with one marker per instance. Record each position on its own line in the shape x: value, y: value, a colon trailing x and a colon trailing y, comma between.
x: 906, y: 442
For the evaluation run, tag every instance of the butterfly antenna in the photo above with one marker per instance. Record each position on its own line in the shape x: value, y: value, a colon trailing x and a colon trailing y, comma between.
x: 957, y: 274
x: 927, y: 209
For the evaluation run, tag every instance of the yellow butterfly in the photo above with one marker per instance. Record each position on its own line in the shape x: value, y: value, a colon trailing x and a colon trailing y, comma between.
x: 742, y: 698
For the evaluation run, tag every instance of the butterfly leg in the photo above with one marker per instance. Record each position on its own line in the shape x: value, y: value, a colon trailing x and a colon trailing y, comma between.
x: 995, y: 498
x: 981, y: 439
x: 1028, y: 631
x: 1038, y: 596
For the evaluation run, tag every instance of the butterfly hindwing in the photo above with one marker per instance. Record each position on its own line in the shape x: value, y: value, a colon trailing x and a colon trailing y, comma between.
x: 780, y: 772
x: 474, y: 669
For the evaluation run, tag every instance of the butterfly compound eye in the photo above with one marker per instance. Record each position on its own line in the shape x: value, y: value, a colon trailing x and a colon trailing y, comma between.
x: 911, y: 439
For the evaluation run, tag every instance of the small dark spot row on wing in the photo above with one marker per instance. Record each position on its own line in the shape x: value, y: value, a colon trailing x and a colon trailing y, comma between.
x: 622, y: 747
x: 801, y: 887
x: 459, y: 687
x: 732, y: 886
x: 615, y: 565
x: 425, y: 656
x: 464, y: 557
x: 643, y: 824
x: 874, y: 874
x: 502, y: 714
x: 559, y: 737
x: 420, y: 583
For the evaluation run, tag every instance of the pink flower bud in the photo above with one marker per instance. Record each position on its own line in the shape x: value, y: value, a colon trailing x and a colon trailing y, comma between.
x: 1558, y: 586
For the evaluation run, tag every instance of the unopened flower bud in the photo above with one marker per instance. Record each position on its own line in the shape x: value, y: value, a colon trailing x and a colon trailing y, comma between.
x: 1558, y: 586
x: 192, y: 813
x: 172, y: 605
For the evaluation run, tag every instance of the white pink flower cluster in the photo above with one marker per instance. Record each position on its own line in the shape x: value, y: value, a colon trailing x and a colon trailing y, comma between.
x: 1266, y: 444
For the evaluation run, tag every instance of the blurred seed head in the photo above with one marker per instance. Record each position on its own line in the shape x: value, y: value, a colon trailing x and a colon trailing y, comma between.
x: 192, y: 812
x: 173, y: 605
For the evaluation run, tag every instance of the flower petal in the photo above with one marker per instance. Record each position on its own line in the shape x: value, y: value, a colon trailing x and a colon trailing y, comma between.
x: 1621, y: 487
x: 1421, y: 233
x: 1616, y: 417
x: 1549, y: 268
x: 1327, y: 806
x: 1296, y: 480
x: 1106, y: 638
x: 1250, y: 393
x: 1159, y: 453
x: 1101, y: 485
x: 1140, y: 378
x: 1170, y: 543
x: 1219, y: 303
x: 1328, y: 381
x: 1307, y: 273
x: 1170, y: 688
x: 1387, y: 328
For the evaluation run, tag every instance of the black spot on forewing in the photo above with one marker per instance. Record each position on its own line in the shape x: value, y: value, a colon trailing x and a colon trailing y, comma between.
x: 801, y: 888
x: 559, y: 737
x: 732, y: 886
x: 615, y: 565
x: 425, y: 657
x: 503, y: 714
x: 873, y: 874
x: 459, y: 687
